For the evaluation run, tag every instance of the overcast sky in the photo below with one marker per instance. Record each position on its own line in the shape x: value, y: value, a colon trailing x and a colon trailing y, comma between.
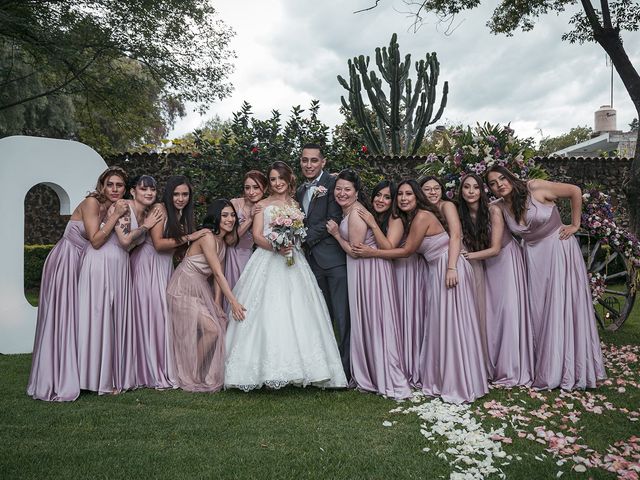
x: 290, y: 52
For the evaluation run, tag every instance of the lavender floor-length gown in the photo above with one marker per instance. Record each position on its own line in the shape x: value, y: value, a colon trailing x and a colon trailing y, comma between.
x: 565, y: 336
x: 106, y: 335
x: 411, y: 283
x: 451, y: 360
x: 237, y: 257
x: 509, y: 329
x: 54, y: 365
x: 151, y: 271
x: 376, y: 350
x: 197, y: 327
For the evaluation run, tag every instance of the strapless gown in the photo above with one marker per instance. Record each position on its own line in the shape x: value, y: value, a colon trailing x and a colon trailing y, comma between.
x: 287, y: 336
x: 151, y: 271
x: 509, y: 330
x: 54, y: 365
x: 376, y: 348
x: 452, y: 363
x: 106, y: 336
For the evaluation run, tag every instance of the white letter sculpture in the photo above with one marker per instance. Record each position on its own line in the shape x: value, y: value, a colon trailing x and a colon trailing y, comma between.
x: 70, y: 169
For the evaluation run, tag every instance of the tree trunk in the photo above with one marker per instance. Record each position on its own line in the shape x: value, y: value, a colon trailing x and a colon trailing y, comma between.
x: 609, y: 39
x: 632, y: 189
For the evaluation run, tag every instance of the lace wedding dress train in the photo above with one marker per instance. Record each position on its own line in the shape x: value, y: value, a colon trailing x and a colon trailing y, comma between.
x: 287, y: 335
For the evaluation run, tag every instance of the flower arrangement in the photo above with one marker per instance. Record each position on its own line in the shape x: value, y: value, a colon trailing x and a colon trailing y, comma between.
x: 598, y: 221
x: 597, y: 285
x: 459, y: 152
x: 287, y: 229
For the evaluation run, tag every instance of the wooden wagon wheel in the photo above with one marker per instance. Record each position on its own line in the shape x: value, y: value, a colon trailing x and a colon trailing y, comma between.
x: 616, y: 304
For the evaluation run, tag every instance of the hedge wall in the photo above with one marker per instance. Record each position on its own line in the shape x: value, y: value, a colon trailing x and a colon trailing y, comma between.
x: 34, y: 257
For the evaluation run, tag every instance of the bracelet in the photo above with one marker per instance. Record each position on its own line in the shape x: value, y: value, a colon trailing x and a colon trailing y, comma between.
x: 451, y: 268
x: 144, y: 229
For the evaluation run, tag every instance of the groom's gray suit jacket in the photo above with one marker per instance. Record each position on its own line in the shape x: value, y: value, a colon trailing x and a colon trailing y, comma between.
x: 324, y: 249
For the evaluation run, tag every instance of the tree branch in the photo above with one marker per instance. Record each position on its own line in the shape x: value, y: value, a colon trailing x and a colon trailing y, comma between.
x: 56, y: 89
x: 368, y: 8
x: 606, y: 14
x: 592, y: 16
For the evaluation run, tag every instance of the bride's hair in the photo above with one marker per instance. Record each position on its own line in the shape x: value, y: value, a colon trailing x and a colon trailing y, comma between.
x: 213, y: 217
x: 286, y: 173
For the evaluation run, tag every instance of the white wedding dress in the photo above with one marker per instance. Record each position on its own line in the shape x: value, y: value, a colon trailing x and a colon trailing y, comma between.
x: 287, y: 336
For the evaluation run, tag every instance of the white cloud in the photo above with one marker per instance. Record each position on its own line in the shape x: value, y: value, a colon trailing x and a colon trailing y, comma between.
x: 290, y: 52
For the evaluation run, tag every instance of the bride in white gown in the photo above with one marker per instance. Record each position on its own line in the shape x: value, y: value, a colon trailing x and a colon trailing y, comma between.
x: 287, y: 335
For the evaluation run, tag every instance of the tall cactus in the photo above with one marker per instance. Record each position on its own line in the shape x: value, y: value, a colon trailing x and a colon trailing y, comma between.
x: 401, y: 119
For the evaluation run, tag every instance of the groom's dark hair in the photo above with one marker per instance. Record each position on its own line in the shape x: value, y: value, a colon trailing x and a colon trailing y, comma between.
x: 313, y: 146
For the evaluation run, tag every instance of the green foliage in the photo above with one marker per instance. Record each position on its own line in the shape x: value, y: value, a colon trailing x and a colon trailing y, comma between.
x: 245, y: 143
x: 111, y: 74
x: 392, y: 129
x: 578, y: 134
x: 34, y: 257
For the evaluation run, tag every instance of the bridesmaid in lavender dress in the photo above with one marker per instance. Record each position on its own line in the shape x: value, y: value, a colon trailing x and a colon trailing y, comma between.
x: 151, y: 269
x: 433, y: 190
x: 197, y: 323
x: 376, y: 352
x: 237, y: 256
x: 106, y: 338
x: 54, y: 365
x: 410, y: 274
x: 451, y: 360
x: 566, y: 343
x: 509, y: 332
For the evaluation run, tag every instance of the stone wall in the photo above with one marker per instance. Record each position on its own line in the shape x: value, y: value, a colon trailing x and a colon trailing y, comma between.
x: 43, y: 223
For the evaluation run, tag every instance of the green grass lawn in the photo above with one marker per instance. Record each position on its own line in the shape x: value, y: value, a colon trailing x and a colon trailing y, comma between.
x: 302, y: 433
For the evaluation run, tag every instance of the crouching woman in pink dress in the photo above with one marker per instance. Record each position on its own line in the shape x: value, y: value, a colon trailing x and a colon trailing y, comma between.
x: 197, y: 323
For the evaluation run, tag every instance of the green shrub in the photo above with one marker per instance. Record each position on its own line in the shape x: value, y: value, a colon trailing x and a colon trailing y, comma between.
x: 34, y: 257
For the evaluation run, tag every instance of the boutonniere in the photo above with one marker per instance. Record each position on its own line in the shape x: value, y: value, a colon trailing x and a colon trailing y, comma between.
x: 320, y: 191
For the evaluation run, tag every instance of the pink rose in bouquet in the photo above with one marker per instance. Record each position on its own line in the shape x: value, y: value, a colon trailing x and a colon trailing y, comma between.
x: 287, y: 229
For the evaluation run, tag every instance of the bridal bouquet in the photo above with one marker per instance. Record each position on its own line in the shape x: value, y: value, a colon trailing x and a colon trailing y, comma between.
x: 287, y: 228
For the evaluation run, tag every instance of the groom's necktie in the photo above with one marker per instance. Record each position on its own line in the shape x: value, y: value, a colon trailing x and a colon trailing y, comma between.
x: 308, y: 193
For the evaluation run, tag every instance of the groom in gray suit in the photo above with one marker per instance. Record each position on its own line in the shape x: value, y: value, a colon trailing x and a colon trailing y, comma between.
x: 325, y: 256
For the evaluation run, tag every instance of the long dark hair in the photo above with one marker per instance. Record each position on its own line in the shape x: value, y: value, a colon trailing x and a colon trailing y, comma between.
x: 421, y: 204
x: 177, y: 227
x: 213, y: 217
x: 519, y: 193
x: 350, y: 175
x: 285, y: 172
x: 476, y: 235
x: 382, y: 219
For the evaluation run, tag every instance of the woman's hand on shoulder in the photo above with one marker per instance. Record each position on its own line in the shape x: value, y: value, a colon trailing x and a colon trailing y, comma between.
x: 367, y: 216
x: 258, y: 208
x: 120, y: 207
x: 198, y: 234
x: 152, y: 218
